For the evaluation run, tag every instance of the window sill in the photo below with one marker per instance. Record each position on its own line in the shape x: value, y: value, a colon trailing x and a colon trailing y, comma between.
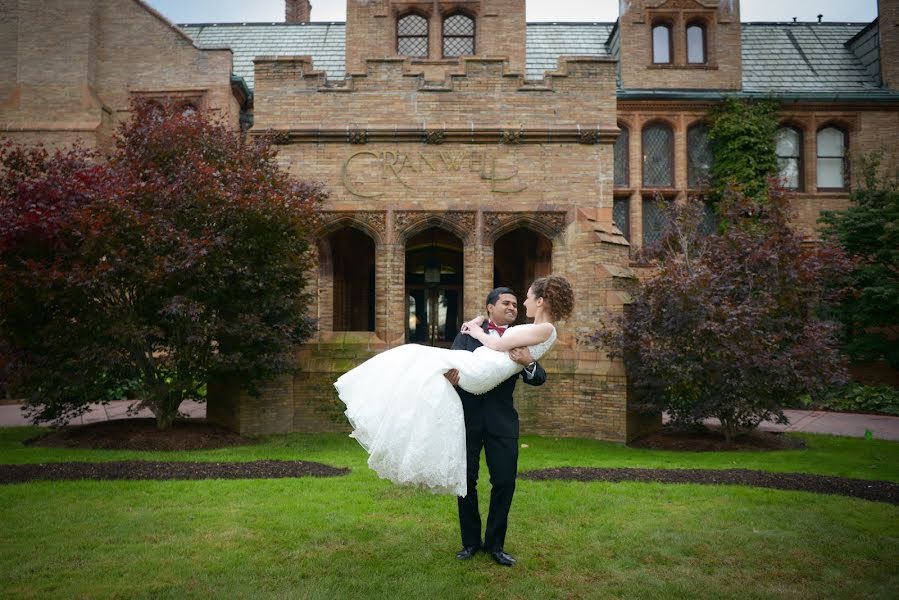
x: 700, y: 67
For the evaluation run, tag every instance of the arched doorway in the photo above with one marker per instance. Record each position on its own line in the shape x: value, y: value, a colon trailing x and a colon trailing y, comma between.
x: 434, y: 278
x: 520, y: 257
x: 353, y: 261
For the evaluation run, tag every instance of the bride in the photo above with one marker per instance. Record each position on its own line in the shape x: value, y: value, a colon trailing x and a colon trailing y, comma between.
x: 407, y: 415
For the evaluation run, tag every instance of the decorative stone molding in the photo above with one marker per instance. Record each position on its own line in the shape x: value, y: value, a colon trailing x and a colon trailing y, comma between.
x: 357, y: 136
x: 461, y: 223
x: 590, y: 136
x: 435, y: 136
x: 374, y: 223
x: 510, y: 136
x: 496, y: 224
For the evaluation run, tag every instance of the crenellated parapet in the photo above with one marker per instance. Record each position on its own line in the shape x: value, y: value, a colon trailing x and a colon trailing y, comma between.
x: 477, y: 94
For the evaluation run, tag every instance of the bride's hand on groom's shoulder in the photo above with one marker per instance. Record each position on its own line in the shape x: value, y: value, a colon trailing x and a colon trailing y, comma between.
x: 469, y: 326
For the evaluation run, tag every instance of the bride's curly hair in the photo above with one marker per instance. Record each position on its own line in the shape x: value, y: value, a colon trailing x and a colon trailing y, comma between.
x: 555, y: 290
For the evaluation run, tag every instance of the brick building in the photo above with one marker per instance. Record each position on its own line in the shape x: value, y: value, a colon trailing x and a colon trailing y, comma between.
x: 465, y: 148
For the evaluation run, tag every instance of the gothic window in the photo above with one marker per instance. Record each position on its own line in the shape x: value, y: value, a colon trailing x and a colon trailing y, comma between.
x: 655, y: 219
x: 621, y: 215
x: 458, y: 35
x: 621, y: 159
x: 412, y: 36
x: 699, y: 156
x: 352, y: 256
x: 658, y: 156
x: 696, y: 44
x: 788, y: 143
x: 661, y: 43
x: 832, y: 159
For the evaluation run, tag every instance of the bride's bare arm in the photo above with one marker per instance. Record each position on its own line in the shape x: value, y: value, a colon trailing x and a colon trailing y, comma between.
x: 514, y: 337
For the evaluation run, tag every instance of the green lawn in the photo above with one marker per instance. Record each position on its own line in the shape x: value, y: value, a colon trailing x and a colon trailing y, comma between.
x: 358, y: 536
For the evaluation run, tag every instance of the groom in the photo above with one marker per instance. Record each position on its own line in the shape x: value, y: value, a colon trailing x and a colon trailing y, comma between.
x: 491, y: 423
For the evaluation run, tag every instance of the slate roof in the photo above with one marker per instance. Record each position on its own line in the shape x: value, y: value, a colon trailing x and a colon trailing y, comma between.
x: 803, y: 57
x: 546, y: 42
x: 777, y: 57
x: 323, y: 41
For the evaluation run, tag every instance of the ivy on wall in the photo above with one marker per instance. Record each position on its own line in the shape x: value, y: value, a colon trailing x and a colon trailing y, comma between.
x: 742, y: 139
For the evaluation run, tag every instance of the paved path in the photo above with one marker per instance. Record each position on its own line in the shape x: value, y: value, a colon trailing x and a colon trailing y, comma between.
x: 848, y: 424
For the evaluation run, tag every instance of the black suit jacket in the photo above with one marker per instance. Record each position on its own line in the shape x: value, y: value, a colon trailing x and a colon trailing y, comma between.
x: 493, y: 412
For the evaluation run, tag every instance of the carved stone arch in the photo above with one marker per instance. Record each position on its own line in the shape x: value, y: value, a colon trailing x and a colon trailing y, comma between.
x: 371, y: 223
x: 460, y: 223
x: 548, y: 224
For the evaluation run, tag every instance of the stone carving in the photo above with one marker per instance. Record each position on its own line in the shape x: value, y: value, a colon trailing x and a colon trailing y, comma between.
x: 590, y: 136
x: 461, y: 223
x: 374, y: 221
x: 357, y: 136
x: 510, y: 136
x: 435, y: 136
x: 548, y: 223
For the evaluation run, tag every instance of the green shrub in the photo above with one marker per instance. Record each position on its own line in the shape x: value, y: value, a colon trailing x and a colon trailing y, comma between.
x: 858, y: 398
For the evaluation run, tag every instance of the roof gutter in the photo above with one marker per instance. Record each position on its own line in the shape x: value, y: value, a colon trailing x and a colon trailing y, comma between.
x: 879, y: 97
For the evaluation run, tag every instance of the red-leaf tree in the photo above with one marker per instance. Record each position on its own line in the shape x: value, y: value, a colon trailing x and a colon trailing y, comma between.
x: 729, y: 324
x: 182, y: 255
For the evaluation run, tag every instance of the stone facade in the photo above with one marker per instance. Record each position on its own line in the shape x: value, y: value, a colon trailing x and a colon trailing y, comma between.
x: 69, y: 68
x: 449, y: 174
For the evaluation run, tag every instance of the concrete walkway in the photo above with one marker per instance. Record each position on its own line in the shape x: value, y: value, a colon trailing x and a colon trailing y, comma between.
x: 848, y: 424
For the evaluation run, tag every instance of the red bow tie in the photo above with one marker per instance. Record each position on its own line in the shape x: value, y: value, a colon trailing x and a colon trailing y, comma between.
x: 491, y: 326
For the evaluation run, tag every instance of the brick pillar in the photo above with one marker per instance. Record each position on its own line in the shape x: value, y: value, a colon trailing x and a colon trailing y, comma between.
x: 888, y: 24
x: 297, y: 11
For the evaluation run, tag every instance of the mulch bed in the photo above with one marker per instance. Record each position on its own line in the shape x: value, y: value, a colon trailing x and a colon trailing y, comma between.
x: 141, y: 434
x: 143, y: 470
x: 878, y: 491
x: 712, y: 440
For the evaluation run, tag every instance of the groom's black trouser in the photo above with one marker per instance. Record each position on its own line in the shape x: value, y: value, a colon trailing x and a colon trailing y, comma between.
x: 502, y: 462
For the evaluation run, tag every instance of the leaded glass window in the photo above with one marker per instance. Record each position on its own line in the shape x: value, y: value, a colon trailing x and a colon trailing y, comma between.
x: 458, y: 36
x: 831, y: 158
x: 655, y: 219
x: 788, y: 144
x: 661, y: 43
x: 412, y: 36
x: 658, y: 156
x: 621, y: 216
x: 699, y: 156
x: 709, y: 223
x: 696, y: 44
x: 622, y: 146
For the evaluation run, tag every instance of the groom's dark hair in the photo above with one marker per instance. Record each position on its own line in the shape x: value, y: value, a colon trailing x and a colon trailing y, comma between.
x: 494, y: 295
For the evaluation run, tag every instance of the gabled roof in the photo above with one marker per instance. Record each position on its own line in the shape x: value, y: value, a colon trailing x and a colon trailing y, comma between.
x: 797, y: 58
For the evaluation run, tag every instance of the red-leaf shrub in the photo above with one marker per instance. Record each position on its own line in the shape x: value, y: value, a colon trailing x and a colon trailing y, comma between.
x: 729, y: 324
x: 182, y: 255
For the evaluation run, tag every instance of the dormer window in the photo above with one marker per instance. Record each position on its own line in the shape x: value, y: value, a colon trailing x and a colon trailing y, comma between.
x: 458, y: 35
x: 696, y: 44
x: 412, y: 36
x: 661, y: 43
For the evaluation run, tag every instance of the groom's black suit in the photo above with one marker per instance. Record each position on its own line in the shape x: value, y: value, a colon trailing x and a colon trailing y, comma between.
x: 491, y: 422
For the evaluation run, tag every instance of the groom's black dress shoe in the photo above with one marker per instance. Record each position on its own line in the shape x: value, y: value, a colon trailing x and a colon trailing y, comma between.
x: 467, y: 552
x: 502, y: 558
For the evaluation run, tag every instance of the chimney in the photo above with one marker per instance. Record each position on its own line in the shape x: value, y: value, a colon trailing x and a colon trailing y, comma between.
x: 297, y: 11
x: 888, y: 29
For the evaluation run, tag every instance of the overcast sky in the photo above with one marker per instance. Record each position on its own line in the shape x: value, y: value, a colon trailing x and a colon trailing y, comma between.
x: 226, y: 11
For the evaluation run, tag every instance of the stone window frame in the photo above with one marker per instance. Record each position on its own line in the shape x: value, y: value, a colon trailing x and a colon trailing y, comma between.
x: 672, y: 128
x: 843, y: 129
x: 703, y: 26
x: 474, y: 32
x: 625, y: 134
x: 666, y: 22
x: 800, y: 132
x: 427, y: 36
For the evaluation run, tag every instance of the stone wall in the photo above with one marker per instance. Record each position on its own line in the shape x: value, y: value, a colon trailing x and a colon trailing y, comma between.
x: 68, y: 68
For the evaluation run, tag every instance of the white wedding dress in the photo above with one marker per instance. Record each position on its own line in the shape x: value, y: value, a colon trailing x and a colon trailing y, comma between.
x: 408, y: 415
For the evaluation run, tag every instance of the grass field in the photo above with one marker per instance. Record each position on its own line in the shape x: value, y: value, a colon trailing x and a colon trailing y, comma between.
x: 358, y: 536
